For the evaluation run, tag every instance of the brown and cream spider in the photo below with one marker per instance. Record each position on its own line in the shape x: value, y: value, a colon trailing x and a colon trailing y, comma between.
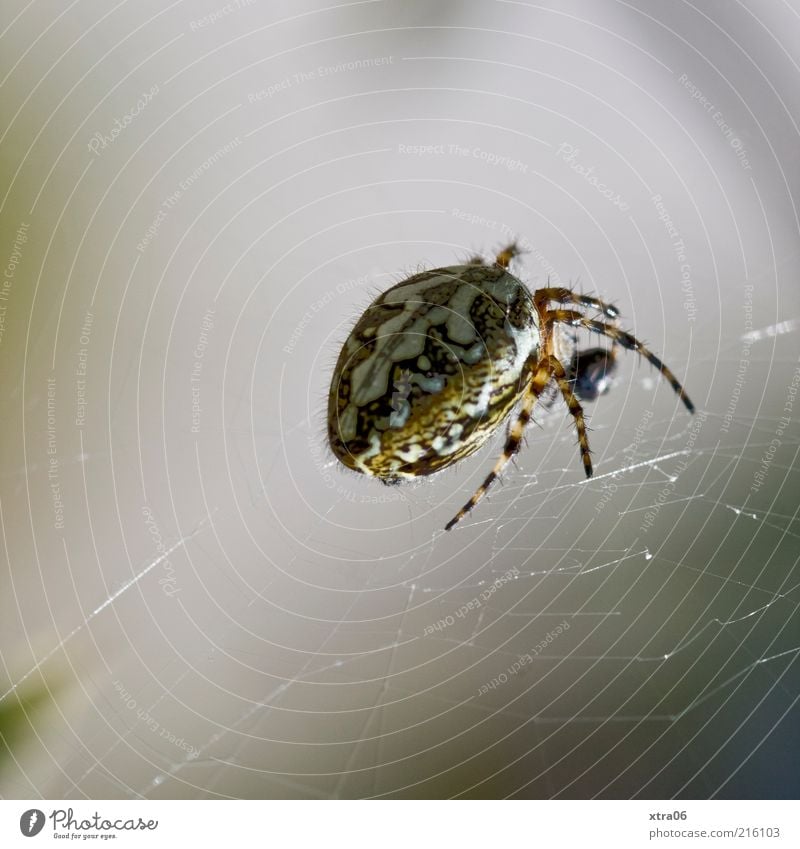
x: 437, y: 363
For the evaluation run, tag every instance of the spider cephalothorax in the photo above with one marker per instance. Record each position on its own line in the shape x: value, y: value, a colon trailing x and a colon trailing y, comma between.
x: 438, y: 362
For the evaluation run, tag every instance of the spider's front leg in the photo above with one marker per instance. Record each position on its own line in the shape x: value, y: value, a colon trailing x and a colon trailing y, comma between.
x: 624, y: 340
x: 589, y: 370
x: 542, y: 298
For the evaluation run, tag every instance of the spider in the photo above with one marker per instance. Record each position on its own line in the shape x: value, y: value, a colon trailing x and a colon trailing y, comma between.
x: 436, y: 364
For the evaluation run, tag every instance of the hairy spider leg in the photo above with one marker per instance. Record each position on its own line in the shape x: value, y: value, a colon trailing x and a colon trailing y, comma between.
x: 563, y: 295
x: 575, y: 410
x: 545, y: 370
x: 542, y: 297
x: 624, y: 339
x: 504, y: 257
x: 567, y: 296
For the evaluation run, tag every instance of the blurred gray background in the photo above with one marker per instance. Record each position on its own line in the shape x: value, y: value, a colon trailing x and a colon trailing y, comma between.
x: 198, y: 201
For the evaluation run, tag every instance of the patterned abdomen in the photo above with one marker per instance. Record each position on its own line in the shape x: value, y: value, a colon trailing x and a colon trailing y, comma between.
x: 430, y: 369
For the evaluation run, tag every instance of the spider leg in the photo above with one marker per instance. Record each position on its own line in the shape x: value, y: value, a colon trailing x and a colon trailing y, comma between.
x: 508, y: 253
x: 567, y: 296
x: 624, y: 340
x: 575, y: 410
x: 589, y: 369
x: 541, y: 377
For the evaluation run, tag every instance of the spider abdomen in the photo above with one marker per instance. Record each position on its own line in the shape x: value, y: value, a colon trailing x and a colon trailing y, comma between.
x: 430, y: 370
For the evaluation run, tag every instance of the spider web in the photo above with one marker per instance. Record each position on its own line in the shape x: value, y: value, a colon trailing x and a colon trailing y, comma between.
x: 465, y: 631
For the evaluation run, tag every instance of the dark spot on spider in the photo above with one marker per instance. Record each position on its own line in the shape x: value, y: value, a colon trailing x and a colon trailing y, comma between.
x: 591, y: 370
